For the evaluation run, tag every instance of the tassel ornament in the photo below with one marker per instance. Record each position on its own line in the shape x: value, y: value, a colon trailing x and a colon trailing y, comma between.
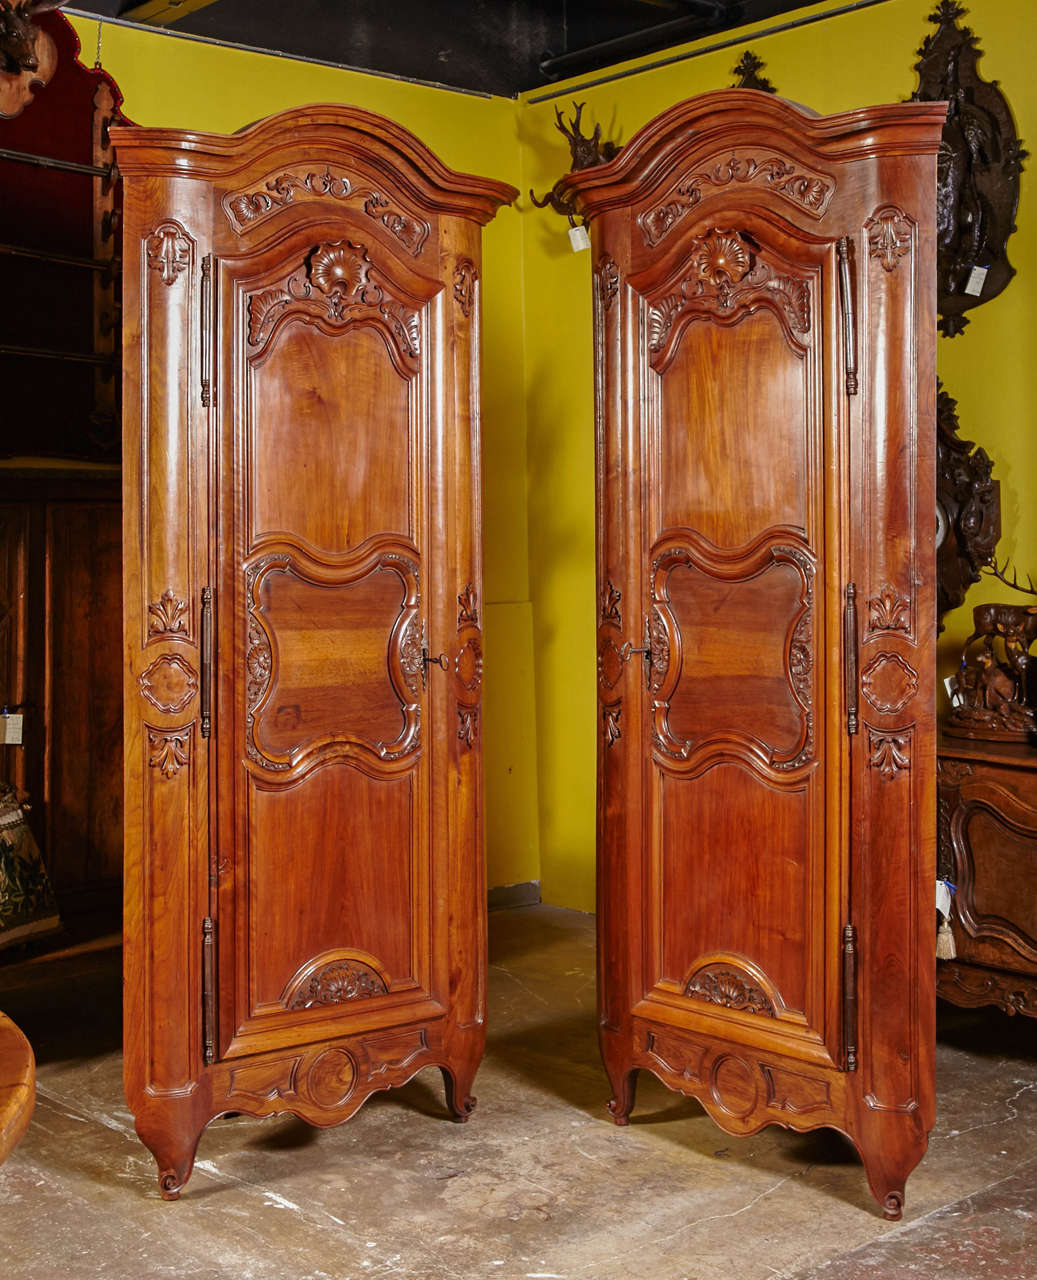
x: 945, y: 949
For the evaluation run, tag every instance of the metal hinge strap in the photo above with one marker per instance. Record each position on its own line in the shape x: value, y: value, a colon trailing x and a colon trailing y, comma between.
x: 850, y: 995
x: 206, y: 334
x: 208, y: 989
x: 850, y: 658
x: 842, y: 249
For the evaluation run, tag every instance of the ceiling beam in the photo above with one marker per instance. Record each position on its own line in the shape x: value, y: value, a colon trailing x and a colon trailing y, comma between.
x: 163, y: 13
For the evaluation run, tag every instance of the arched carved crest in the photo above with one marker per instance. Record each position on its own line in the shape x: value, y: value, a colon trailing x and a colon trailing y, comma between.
x: 726, y: 281
x: 338, y: 286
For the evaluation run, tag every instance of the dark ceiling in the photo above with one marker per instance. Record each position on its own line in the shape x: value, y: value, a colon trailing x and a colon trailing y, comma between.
x: 490, y: 46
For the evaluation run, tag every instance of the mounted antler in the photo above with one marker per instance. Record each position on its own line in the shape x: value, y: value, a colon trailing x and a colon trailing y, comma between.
x: 19, y: 34
x: 585, y: 152
x: 1002, y: 576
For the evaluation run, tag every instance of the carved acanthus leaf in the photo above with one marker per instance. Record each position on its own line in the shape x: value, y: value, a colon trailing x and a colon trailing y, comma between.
x: 411, y: 645
x: 338, y: 983
x: 246, y: 208
x: 719, y: 985
x: 169, y: 751
x: 728, y: 281
x: 336, y: 285
x: 166, y: 615
x: 468, y: 607
x: 888, y: 611
x: 467, y: 718
x: 811, y: 191
x: 168, y: 251
x: 888, y: 752
x: 889, y: 236
x: 610, y: 598
x: 610, y: 718
x: 465, y: 277
x: 608, y: 280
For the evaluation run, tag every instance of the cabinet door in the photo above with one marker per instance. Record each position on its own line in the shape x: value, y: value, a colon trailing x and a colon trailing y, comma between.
x: 326, y: 721
x: 765, y: 371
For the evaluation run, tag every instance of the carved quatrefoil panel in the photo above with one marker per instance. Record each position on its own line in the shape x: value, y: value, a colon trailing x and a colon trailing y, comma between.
x: 169, y: 683
x: 889, y: 683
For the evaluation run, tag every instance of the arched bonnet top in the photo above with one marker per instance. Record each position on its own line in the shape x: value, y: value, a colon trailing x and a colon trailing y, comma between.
x: 707, y: 127
x: 318, y: 134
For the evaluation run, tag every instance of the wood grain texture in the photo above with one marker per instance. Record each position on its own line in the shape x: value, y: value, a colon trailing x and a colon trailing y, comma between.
x: 765, y: 388
x: 302, y: 436
x: 17, y: 1086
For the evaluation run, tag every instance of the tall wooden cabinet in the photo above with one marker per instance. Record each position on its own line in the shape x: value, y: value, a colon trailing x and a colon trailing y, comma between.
x: 304, y: 910
x: 765, y: 333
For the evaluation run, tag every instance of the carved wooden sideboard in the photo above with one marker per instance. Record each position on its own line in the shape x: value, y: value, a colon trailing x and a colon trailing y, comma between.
x: 765, y: 338
x: 304, y: 913
x: 988, y: 850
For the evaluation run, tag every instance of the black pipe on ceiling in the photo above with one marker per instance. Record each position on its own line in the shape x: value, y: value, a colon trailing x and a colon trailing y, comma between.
x: 712, y: 14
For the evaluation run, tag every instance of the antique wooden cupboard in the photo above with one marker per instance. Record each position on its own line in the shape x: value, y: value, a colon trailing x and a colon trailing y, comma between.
x: 304, y: 903
x: 765, y: 348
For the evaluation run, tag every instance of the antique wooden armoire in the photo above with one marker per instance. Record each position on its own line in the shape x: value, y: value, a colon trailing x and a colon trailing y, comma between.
x: 765, y: 344
x: 304, y: 907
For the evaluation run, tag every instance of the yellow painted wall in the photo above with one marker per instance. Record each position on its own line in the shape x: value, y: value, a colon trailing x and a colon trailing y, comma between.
x: 187, y: 84
x: 850, y: 61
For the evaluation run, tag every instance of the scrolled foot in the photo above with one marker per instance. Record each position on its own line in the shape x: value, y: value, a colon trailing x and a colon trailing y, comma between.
x: 893, y: 1206
x: 622, y: 1103
x: 170, y: 1184
x: 459, y: 1101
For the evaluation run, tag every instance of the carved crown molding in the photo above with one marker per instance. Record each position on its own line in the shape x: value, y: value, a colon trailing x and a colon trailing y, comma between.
x: 804, y: 188
x: 249, y: 207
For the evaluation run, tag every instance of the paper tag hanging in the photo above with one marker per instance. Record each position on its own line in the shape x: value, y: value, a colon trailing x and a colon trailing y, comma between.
x: 579, y: 239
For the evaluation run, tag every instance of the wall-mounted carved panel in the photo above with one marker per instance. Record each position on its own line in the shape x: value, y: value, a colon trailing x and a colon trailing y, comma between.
x: 252, y: 207
x: 806, y: 189
x: 338, y: 286
x: 980, y: 163
x: 333, y: 658
x: 728, y: 280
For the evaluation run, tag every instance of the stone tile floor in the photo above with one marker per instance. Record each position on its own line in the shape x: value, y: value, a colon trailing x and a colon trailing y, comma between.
x: 538, y: 1186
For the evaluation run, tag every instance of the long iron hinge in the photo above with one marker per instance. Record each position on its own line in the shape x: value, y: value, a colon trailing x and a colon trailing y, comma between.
x: 208, y: 989
x: 842, y: 249
x: 850, y: 657
x: 206, y: 334
x: 850, y: 995
x: 206, y: 643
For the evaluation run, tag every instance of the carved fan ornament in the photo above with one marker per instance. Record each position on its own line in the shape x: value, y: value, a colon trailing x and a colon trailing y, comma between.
x: 336, y: 286
x: 169, y: 751
x: 247, y: 208
x: 889, y: 611
x: 730, y: 989
x: 888, y: 752
x: 337, y: 983
x: 166, y: 616
x: 807, y: 190
x: 727, y: 282
x: 979, y: 165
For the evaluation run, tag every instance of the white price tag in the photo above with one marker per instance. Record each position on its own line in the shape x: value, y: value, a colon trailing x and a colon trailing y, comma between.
x: 943, y: 898
x: 11, y: 730
x: 579, y: 239
x: 974, y: 284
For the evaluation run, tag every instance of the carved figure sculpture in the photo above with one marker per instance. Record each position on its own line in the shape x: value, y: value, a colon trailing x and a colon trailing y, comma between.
x: 995, y: 694
x: 585, y: 152
x: 19, y: 34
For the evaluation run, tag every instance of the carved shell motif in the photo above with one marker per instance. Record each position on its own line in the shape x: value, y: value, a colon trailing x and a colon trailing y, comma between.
x: 338, y: 983
x: 732, y: 990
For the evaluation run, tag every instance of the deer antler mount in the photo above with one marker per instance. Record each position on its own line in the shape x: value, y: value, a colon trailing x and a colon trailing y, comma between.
x: 586, y: 152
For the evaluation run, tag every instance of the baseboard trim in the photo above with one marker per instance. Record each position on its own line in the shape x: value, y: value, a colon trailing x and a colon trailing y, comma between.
x: 526, y: 894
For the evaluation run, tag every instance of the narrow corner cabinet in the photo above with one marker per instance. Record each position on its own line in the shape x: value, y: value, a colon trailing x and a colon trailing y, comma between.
x: 765, y: 372
x: 304, y: 892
